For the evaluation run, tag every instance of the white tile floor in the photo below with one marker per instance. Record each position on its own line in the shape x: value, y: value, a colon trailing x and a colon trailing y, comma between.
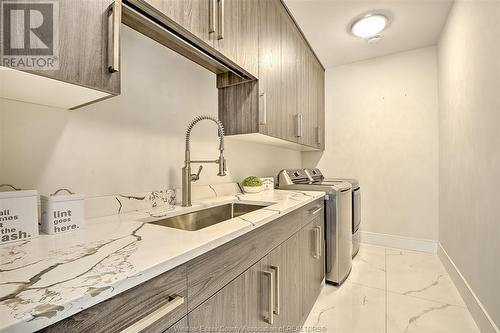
x: 391, y: 290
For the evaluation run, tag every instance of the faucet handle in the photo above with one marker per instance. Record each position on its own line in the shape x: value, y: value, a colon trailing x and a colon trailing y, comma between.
x: 196, y: 176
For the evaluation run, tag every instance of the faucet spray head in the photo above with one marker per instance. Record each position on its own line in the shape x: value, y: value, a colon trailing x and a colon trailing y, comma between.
x: 222, y: 165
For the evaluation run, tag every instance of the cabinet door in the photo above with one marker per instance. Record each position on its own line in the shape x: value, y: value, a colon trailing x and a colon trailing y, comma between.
x: 270, y: 116
x: 311, y: 262
x: 237, y: 35
x: 241, y: 303
x: 284, y: 262
x: 306, y: 94
x: 320, y: 140
x: 82, y: 45
x: 313, y: 77
x: 289, y: 75
x: 193, y: 15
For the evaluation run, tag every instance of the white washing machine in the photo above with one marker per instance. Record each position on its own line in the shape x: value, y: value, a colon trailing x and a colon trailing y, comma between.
x: 316, y: 174
x: 338, y: 216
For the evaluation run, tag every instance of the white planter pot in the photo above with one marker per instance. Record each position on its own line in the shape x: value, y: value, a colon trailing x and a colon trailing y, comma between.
x: 253, y: 189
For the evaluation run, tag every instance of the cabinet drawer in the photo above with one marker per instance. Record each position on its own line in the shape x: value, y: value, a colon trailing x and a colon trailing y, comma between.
x: 215, y: 269
x: 312, y: 210
x: 154, y: 305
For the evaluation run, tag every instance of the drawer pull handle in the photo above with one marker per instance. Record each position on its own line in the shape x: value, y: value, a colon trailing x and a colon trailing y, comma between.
x: 315, y: 211
x: 154, y: 316
x: 114, y: 22
x: 270, y: 288
x: 277, y: 289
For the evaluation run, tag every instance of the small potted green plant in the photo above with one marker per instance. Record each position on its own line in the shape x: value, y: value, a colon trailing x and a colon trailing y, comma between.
x: 252, y: 184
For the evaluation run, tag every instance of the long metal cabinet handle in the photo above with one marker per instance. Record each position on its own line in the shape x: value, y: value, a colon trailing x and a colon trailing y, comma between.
x: 213, y: 13
x: 297, y: 124
x: 270, y: 287
x: 221, y: 19
x: 277, y: 289
x: 315, y: 210
x: 301, y: 124
x: 300, y: 121
x: 114, y: 23
x: 153, y: 317
x: 317, y: 249
x: 318, y: 135
x: 263, y: 115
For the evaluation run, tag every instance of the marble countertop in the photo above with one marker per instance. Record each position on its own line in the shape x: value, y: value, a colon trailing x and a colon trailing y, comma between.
x: 52, y: 277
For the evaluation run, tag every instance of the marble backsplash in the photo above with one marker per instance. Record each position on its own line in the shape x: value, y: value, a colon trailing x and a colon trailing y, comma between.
x: 155, y: 202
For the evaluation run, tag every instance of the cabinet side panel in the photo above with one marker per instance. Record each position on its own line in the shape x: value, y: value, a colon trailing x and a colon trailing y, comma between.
x: 239, y: 108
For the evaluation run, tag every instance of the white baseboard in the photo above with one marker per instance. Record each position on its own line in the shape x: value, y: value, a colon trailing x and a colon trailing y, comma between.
x: 400, y: 242
x: 478, y: 312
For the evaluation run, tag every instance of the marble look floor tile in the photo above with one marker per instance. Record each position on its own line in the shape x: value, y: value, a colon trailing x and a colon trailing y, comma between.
x: 348, y: 309
x: 372, y: 248
x: 368, y: 267
x: 406, y: 314
x: 420, y: 275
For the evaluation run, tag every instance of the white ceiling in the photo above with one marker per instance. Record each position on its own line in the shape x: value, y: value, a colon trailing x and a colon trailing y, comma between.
x: 414, y: 24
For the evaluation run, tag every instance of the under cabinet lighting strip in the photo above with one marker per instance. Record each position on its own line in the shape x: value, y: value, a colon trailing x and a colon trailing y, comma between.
x: 132, y: 4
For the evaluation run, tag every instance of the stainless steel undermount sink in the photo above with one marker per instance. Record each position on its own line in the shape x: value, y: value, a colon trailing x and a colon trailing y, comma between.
x: 206, y: 217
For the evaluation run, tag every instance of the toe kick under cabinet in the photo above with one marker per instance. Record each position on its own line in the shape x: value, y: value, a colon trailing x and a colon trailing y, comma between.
x: 267, y: 278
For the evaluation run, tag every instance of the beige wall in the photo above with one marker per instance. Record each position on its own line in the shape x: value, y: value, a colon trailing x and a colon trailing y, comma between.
x: 382, y: 128
x: 133, y: 142
x: 469, y: 90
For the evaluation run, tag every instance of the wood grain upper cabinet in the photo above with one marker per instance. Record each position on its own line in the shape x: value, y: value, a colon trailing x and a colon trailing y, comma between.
x: 196, y: 16
x: 305, y: 91
x: 82, y: 41
x: 285, y: 106
x: 237, y: 32
x: 270, y: 19
x: 289, y: 76
x: 320, y: 132
x: 86, y: 40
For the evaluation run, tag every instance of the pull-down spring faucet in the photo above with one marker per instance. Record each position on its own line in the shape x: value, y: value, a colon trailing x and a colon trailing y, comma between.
x: 187, y: 176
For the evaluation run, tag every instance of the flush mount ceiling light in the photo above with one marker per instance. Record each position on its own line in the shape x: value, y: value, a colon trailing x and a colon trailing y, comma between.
x: 369, y: 26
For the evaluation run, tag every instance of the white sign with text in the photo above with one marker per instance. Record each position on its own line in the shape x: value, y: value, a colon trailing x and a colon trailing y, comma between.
x: 18, y: 215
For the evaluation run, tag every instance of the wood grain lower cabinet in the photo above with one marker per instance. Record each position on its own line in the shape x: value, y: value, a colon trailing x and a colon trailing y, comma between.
x: 211, y: 271
x: 268, y: 278
x: 241, y: 303
x: 179, y: 327
x: 284, y: 263
x: 266, y: 295
x: 311, y: 262
x: 155, y: 305
x: 276, y: 292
